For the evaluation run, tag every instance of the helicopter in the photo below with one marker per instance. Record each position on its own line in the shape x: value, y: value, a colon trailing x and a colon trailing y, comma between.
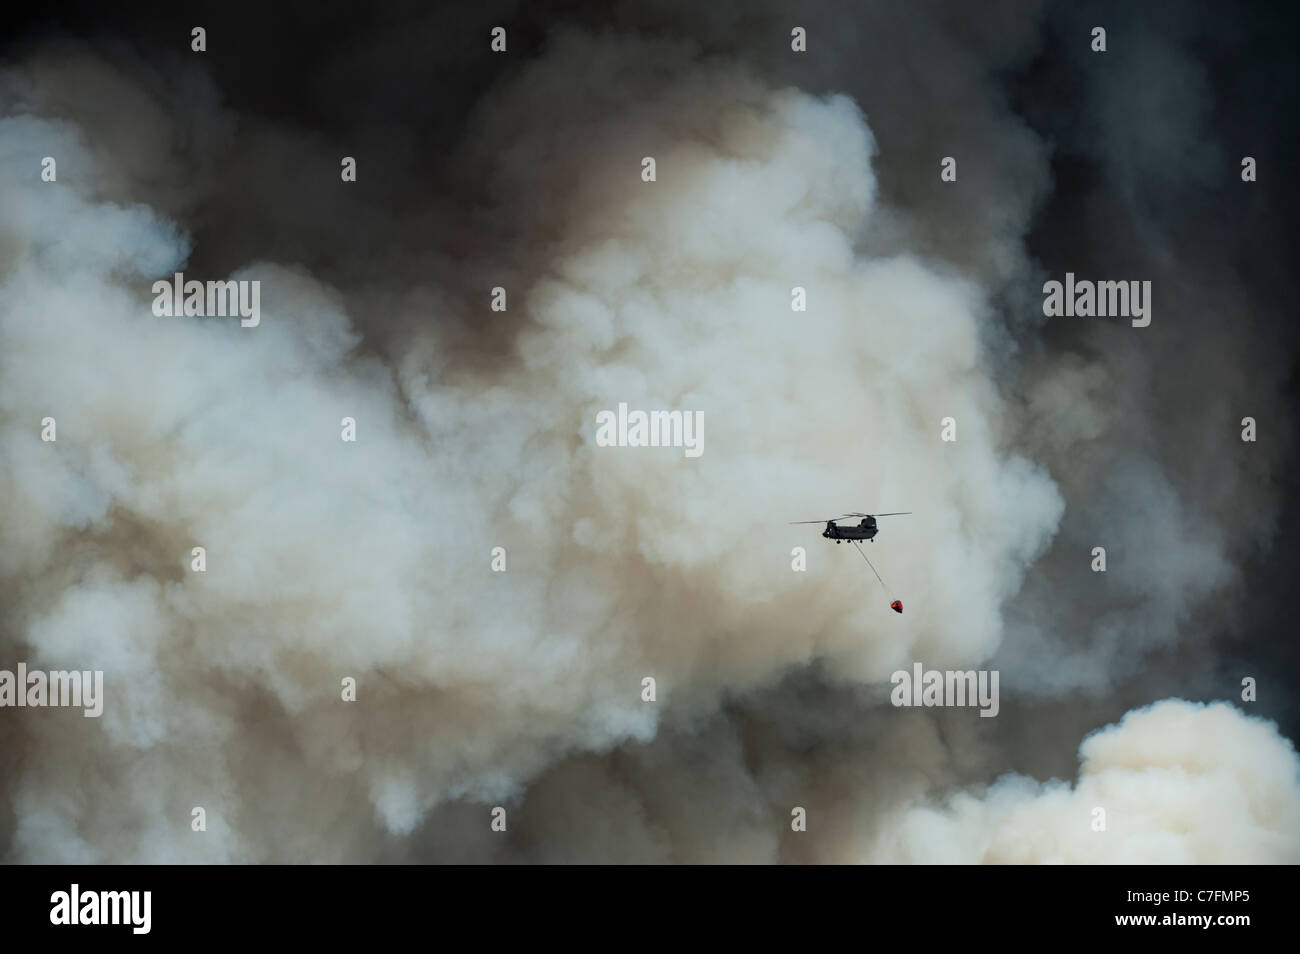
x: 866, y: 530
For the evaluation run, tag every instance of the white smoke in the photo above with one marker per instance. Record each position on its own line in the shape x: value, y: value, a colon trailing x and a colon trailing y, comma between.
x: 1175, y: 783
x: 372, y: 560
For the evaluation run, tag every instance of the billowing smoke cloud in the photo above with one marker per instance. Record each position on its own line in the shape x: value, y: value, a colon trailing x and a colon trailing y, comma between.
x: 1176, y: 783
x: 476, y: 429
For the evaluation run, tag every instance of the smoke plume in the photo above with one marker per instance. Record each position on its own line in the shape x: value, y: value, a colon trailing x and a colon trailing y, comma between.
x: 329, y: 560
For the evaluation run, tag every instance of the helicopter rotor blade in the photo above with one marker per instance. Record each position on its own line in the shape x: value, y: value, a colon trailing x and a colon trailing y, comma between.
x: 896, y: 513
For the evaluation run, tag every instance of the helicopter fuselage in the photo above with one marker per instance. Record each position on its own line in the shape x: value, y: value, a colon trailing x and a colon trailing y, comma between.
x: 866, y: 530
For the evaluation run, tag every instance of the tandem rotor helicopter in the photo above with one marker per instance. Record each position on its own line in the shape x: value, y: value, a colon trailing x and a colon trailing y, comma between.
x: 866, y: 530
